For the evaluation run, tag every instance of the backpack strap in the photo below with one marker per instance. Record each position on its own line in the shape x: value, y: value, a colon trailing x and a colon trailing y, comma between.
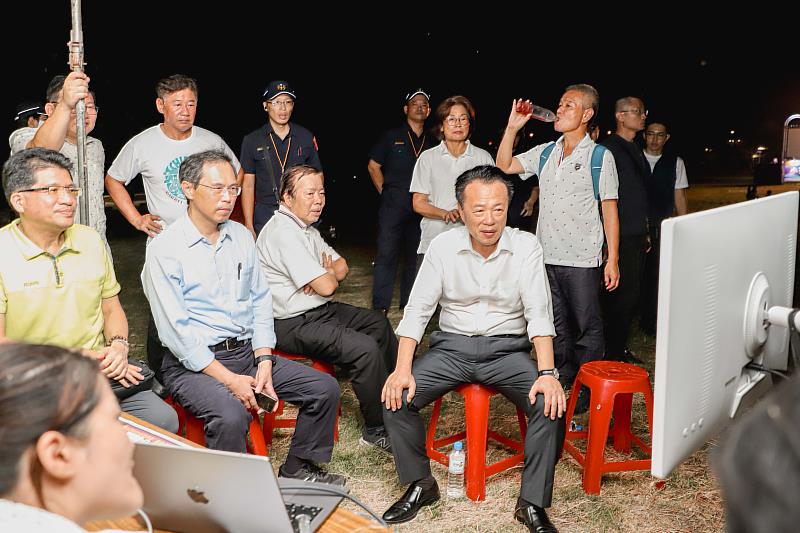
x: 545, y: 155
x: 597, y: 165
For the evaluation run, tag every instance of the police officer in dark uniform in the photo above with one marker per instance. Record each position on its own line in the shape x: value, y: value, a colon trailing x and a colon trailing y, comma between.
x: 391, y: 163
x: 268, y: 151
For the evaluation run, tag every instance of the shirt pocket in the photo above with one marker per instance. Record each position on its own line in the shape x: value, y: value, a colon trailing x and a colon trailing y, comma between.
x: 244, y: 283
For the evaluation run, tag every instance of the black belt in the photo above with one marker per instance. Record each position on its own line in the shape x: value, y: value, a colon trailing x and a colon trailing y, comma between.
x: 229, y: 344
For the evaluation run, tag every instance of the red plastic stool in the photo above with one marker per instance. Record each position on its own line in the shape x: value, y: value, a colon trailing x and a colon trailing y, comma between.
x: 195, y: 431
x: 612, y: 386
x: 271, y: 420
x: 476, y: 413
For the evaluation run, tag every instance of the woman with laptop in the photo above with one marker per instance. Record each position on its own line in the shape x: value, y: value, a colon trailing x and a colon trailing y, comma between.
x: 66, y: 459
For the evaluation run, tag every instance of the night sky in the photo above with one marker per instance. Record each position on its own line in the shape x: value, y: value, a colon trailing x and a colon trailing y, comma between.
x: 703, y: 77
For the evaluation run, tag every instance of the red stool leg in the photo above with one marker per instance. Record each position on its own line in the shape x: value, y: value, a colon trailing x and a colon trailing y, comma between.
x: 601, y: 407
x: 476, y: 412
x: 195, y: 430
x: 430, y: 438
x: 257, y: 445
x: 621, y: 430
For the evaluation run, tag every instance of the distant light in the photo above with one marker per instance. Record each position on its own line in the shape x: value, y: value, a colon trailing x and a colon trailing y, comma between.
x: 608, y: 132
x: 530, y: 135
x: 355, y: 177
x: 491, y: 143
x: 761, y: 148
x: 732, y: 132
x: 738, y: 141
x: 755, y: 156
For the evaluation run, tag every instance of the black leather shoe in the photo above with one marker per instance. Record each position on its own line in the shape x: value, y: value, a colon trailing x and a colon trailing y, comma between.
x: 407, y: 507
x: 535, y: 519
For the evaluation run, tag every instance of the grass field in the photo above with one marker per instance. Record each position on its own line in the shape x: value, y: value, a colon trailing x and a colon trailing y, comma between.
x: 689, y: 501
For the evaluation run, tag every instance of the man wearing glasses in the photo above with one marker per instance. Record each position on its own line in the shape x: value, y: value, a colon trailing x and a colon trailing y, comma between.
x: 60, y: 133
x: 391, y: 163
x: 434, y: 179
x: 667, y: 197
x: 619, y: 307
x: 213, y: 310
x: 57, y: 282
x: 268, y: 151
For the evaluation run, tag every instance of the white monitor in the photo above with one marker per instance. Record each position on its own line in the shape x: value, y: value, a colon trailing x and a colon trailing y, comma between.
x: 721, y: 270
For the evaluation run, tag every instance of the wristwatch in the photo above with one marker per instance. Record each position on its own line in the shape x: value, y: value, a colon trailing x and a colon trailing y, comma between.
x: 261, y: 358
x: 549, y: 372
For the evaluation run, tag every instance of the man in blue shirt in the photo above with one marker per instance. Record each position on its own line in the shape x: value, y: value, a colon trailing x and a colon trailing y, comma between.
x: 213, y: 311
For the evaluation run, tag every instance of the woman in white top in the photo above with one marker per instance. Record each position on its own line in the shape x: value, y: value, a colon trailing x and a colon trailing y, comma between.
x: 66, y: 458
x: 433, y: 182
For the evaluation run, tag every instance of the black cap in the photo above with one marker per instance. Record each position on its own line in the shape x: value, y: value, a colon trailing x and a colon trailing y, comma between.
x: 28, y: 109
x: 414, y: 92
x: 276, y: 88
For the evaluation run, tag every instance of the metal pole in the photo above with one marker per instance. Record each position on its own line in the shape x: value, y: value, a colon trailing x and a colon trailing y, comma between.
x: 75, y: 47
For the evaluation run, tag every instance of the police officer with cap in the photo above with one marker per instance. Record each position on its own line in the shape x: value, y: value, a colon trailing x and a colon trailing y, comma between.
x: 390, y: 166
x: 268, y: 151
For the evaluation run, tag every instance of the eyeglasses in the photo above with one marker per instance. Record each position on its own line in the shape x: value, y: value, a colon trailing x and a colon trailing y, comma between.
x: 56, y: 189
x: 283, y: 104
x: 635, y: 111
x: 233, y: 190
x: 91, y: 109
x: 452, y: 121
x: 659, y: 134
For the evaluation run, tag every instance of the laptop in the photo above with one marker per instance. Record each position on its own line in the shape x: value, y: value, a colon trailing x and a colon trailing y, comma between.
x: 197, y: 490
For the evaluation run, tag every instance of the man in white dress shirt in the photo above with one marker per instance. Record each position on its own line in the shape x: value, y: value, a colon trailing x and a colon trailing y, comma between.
x: 492, y: 287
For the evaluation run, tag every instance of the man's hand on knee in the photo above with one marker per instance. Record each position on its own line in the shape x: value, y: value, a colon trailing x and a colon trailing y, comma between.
x: 555, y: 402
x: 392, y: 393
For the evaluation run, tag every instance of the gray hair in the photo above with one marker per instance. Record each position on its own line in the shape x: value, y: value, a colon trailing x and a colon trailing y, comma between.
x: 292, y: 175
x: 591, y: 94
x: 19, y: 170
x: 485, y: 174
x: 172, y: 84
x: 192, y: 167
x: 627, y: 101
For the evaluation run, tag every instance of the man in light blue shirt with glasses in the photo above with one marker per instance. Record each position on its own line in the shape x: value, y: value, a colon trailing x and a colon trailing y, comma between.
x: 213, y: 311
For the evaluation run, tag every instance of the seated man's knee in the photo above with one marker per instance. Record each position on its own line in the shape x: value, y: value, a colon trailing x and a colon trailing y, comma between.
x: 329, y: 388
x: 164, y: 417
x: 231, y: 415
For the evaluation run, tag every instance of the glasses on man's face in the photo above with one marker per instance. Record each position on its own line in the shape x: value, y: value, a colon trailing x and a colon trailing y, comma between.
x: 91, y: 109
x: 453, y: 121
x: 55, y: 190
x: 282, y: 104
x: 642, y: 112
x: 217, y: 190
x: 657, y: 134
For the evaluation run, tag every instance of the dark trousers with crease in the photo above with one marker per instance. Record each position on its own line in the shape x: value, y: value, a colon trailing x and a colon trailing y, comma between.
x: 577, y: 317
x: 225, y: 418
x: 503, y: 363
x: 398, y: 236
x: 621, y: 304
x: 359, y: 341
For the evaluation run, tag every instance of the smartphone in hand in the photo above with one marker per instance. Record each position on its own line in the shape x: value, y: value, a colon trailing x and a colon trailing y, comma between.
x: 265, y: 401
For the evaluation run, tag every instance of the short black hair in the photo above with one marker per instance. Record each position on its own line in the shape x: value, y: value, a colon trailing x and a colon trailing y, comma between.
x: 485, y: 174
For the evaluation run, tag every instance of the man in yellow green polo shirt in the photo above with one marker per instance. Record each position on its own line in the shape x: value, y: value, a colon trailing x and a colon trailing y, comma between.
x: 57, y: 282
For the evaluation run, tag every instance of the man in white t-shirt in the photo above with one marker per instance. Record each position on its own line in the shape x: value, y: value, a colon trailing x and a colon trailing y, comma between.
x: 157, y: 153
x: 666, y: 196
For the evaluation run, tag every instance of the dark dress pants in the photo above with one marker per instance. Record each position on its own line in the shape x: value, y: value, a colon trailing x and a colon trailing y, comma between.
x: 577, y: 317
x: 398, y: 235
x: 621, y: 304
x: 359, y: 341
x: 503, y: 363
x: 226, y: 419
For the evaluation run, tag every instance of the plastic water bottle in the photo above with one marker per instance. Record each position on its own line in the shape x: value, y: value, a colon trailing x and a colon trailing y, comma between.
x: 455, y: 472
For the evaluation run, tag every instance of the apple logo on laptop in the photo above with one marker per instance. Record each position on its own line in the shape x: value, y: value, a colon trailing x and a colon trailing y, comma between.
x: 197, y: 495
